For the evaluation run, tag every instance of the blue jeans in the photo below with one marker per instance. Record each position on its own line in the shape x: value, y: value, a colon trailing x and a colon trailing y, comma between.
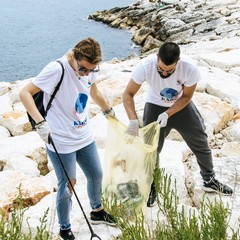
x: 88, y: 160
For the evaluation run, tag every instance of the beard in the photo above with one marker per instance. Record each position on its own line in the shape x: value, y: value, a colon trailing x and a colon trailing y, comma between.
x: 164, y: 76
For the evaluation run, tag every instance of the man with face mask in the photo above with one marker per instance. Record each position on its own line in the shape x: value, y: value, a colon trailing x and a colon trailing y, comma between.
x: 172, y: 81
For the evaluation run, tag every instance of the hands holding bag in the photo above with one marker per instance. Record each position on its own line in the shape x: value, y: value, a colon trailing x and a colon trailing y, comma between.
x: 132, y: 131
x: 133, y: 128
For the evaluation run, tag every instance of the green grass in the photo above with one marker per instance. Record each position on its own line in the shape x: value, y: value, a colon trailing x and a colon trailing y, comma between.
x: 11, y: 226
x: 209, y: 222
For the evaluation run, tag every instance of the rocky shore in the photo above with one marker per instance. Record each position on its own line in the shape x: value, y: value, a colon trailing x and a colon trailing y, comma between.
x: 181, y: 21
x: 213, y: 40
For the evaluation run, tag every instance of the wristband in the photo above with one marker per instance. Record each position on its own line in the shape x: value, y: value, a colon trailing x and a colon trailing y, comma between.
x: 37, y: 124
x: 107, y: 112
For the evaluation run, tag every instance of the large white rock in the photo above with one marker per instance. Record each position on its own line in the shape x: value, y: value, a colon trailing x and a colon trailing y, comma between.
x: 29, y: 145
x: 4, y: 133
x: 233, y: 132
x: 25, y: 145
x: 32, y: 188
x: 5, y: 106
x: 216, y: 113
x: 16, y: 122
x: 174, y: 153
x: 224, y: 60
x: 223, y: 85
x: 22, y: 164
x: 231, y: 149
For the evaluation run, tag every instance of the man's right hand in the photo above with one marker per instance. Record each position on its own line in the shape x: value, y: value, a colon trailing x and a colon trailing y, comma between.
x: 133, y: 128
x: 44, y: 131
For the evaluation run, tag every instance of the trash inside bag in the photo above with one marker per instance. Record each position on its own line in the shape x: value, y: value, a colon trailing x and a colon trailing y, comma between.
x: 129, y: 165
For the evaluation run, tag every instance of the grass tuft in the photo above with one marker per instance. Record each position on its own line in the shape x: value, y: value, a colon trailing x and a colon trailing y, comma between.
x: 209, y: 222
x: 11, y: 227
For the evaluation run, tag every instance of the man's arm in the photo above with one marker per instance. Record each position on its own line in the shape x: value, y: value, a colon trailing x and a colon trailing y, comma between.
x: 128, y: 100
x: 182, y: 101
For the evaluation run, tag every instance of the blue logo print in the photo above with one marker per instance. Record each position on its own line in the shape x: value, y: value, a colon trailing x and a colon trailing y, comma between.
x: 80, y: 105
x: 169, y: 94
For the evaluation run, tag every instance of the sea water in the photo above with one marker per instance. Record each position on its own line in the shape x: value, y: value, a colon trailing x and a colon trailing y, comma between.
x: 33, y: 33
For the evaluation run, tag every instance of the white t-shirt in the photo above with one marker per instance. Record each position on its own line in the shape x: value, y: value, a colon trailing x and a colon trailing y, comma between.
x: 68, y: 115
x: 165, y: 91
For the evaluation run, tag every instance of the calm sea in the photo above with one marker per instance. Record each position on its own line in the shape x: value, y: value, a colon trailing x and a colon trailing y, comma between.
x: 32, y: 33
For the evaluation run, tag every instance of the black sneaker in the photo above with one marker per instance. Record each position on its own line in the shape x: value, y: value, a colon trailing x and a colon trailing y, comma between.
x: 152, y: 196
x: 102, y: 217
x: 213, y: 185
x: 66, y: 234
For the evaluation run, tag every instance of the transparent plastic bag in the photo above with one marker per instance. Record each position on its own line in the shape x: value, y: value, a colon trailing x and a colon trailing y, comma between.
x: 129, y: 165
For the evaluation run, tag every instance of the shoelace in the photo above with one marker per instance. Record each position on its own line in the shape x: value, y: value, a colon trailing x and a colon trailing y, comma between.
x: 212, y: 179
x: 216, y: 183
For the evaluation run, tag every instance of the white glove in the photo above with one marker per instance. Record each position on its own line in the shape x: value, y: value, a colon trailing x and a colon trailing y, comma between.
x: 43, y: 130
x: 109, y: 113
x: 133, y: 128
x: 162, y: 119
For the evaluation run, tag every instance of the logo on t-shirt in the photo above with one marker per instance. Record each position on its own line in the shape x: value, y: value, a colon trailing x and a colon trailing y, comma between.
x: 169, y: 95
x: 80, y: 106
x: 89, y: 83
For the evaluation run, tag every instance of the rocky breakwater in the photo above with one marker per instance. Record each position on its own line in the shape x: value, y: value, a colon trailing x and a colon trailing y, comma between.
x: 181, y: 21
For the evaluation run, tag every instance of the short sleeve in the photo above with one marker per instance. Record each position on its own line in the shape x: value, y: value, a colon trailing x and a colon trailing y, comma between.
x: 193, y: 77
x: 48, y: 78
x: 138, y: 74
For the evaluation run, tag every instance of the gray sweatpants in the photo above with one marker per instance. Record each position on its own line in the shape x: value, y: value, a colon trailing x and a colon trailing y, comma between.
x: 190, y: 125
